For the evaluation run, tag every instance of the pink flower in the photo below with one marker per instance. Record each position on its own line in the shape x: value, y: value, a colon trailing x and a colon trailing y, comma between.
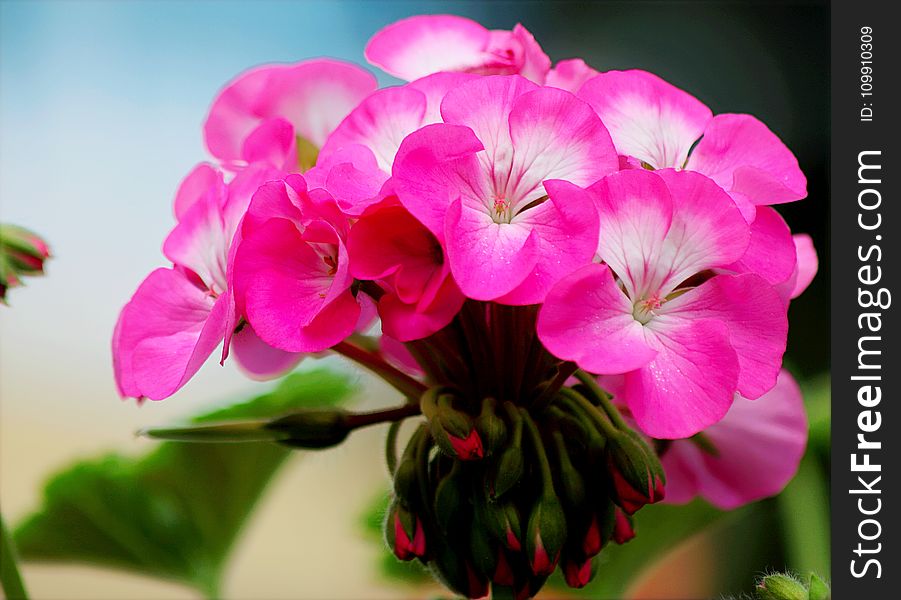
x: 424, y: 44
x: 657, y: 123
x: 685, y: 339
x: 388, y: 245
x: 480, y: 183
x: 179, y: 315
x: 259, y: 116
x: 570, y: 74
x: 757, y: 448
x: 291, y: 275
x: 357, y: 157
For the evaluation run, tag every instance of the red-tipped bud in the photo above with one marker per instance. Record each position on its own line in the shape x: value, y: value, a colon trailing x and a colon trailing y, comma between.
x: 593, y: 541
x: 21, y: 253
x: 546, y: 535
x: 504, y: 523
x: 577, y: 573
x: 468, y: 448
x: 622, y: 528
x: 453, y: 430
x: 503, y: 572
x: 635, y: 471
x: 405, y: 533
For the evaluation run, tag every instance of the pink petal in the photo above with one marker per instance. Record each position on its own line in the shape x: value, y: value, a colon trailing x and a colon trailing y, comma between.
x: 260, y: 360
x: 283, y: 283
x: 759, y: 443
x: 397, y: 355
x: 745, y: 158
x: 424, y: 44
x: 707, y: 231
x: 435, y: 87
x: 534, y: 64
x: 274, y: 144
x: 488, y: 259
x: 587, y: 319
x: 314, y: 96
x: 406, y: 321
x: 567, y: 227
x: 200, y: 241
x: 755, y: 316
x: 636, y: 212
x: 165, y: 333
x: 570, y: 74
x: 193, y: 187
x: 647, y: 117
x: 808, y: 263
x: 435, y: 166
x: 690, y: 383
x: 771, y: 250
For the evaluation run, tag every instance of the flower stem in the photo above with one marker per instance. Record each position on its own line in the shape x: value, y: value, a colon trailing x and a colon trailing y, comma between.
x: 391, y: 447
x: 581, y: 403
x: 603, y: 398
x: 547, y: 480
x: 405, y: 384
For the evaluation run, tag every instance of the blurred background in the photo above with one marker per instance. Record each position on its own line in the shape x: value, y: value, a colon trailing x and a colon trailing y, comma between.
x: 101, y: 105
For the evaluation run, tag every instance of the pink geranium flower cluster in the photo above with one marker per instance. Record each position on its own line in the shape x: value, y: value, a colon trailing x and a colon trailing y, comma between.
x: 494, y: 210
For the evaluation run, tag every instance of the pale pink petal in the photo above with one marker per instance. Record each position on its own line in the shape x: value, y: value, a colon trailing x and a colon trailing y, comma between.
x: 755, y: 316
x: 424, y: 44
x: 435, y: 87
x: 273, y: 144
x: 707, y: 230
x: 554, y: 136
x: 636, y: 211
x: 807, y: 265
x: 759, y: 446
x: 314, y: 96
x: 567, y: 227
x: 193, y: 187
x: 488, y: 259
x: 200, y: 242
x: 434, y: 167
x: 587, y: 319
x: 534, y: 64
x: 771, y: 250
x: 165, y: 333
x: 647, y: 117
x: 689, y: 385
x: 397, y: 355
x: 570, y: 74
x: 744, y: 157
x: 260, y: 360
x: 380, y: 123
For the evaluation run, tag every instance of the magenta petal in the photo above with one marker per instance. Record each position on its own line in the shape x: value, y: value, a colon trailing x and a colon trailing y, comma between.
x: 570, y: 74
x: 200, y: 241
x: 567, y: 227
x: 755, y: 316
x: 691, y: 382
x: 587, y: 319
x: 488, y: 259
x: 807, y: 266
x: 165, y: 333
x: 759, y: 444
x: 534, y: 64
x: 771, y: 250
x: 435, y: 166
x: 647, y: 117
x: 406, y: 322
x: 398, y: 355
x: 273, y: 144
x: 258, y: 359
x: 744, y: 157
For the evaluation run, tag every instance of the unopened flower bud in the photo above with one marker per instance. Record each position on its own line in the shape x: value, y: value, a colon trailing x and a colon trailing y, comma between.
x: 405, y: 534
x: 406, y: 475
x: 491, y: 428
x: 578, y: 573
x: 546, y: 534
x: 781, y: 587
x: 313, y: 429
x: 482, y: 549
x: 449, y: 498
x: 454, y: 571
x: 571, y: 483
x: 21, y: 253
x: 453, y: 430
x: 503, y: 572
x: 592, y: 541
x: 502, y: 520
x: 817, y: 589
x: 507, y: 469
x: 622, y: 527
x: 635, y: 470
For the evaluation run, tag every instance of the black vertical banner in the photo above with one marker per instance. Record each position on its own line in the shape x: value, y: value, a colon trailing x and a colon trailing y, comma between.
x: 866, y: 362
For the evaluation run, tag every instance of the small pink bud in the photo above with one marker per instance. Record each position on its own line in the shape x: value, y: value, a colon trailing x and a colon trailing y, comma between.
x: 503, y: 574
x: 592, y: 543
x: 404, y: 547
x: 468, y: 448
x: 622, y: 529
x: 577, y: 574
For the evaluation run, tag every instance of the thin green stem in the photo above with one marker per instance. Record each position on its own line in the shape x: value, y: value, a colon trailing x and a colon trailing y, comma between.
x: 391, y: 447
x: 10, y: 578
x: 603, y: 398
x: 581, y: 403
x: 547, y: 479
x: 405, y: 384
x: 387, y: 415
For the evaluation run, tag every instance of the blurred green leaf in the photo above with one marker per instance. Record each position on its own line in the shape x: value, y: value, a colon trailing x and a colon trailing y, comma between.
x: 817, y: 393
x: 176, y: 511
x: 804, y: 512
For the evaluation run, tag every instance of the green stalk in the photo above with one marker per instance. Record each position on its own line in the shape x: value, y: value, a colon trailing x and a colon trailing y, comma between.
x: 547, y: 479
x: 603, y: 398
x: 391, y: 447
x: 581, y: 403
x: 405, y: 384
x: 10, y: 579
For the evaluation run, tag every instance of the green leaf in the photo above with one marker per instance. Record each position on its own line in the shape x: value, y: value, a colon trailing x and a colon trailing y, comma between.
x: 175, y: 512
x: 817, y: 393
x: 804, y: 510
x: 10, y: 579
